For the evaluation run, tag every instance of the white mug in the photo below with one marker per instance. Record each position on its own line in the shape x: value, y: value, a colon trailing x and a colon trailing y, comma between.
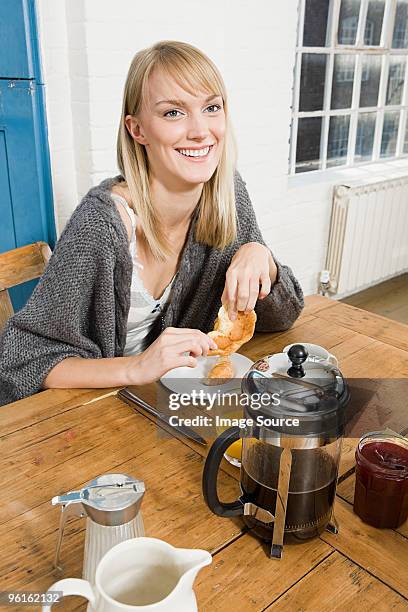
x: 316, y: 353
x: 143, y: 574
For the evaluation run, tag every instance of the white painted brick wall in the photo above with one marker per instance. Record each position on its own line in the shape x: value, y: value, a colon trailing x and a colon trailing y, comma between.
x: 52, y: 24
x: 87, y: 46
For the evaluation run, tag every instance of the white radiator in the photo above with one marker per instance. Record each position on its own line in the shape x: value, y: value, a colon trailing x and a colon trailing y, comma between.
x: 368, y: 240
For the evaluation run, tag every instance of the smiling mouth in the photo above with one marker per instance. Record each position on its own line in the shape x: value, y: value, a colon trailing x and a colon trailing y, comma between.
x: 195, y: 154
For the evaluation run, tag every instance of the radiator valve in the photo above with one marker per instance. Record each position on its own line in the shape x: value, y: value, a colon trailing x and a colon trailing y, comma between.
x: 324, y: 281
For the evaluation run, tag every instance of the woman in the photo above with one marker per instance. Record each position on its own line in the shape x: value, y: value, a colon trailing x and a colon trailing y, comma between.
x: 138, y: 274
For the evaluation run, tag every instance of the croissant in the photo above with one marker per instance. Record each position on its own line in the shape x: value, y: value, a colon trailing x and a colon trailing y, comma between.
x: 222, y: 371
x: 229, y: 335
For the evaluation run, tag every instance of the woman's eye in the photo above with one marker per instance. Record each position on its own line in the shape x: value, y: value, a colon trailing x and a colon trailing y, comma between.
x: 169, y: 113
x: 216, y: 106
x: 173, y: 114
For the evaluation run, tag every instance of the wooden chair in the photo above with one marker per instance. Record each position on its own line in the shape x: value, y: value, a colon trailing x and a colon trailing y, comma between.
x: 19, y: 266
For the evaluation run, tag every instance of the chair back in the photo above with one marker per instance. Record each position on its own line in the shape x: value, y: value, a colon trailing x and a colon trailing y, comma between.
x: 19, y: 266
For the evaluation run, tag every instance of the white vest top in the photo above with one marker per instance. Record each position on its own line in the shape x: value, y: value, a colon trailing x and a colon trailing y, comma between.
x: 144, y: 309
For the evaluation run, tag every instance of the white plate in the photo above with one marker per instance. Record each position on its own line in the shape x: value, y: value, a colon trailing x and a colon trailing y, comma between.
x: 185, y: 380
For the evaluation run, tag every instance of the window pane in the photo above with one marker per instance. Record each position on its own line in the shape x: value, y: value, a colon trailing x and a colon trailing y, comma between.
x: 389, y: 134
x: 365, y: 136
x: 312, y: 81
x: 308, y: 144
x: 400, y: 36
x: 396, y: 77
x: 406, y: 139
x: 338, y: 140
x: 375, y: 14
x: 370, y: 80
x: 315, y: 28
x: 343, y: 78
x: 348, y: 22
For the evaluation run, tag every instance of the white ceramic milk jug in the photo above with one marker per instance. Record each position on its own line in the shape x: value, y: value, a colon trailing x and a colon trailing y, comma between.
x: 142, y: 574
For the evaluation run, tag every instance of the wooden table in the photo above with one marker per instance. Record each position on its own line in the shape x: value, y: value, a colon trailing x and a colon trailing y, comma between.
x: 57, y: 440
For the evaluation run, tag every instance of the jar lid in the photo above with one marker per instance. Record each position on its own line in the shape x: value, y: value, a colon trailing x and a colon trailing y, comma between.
x: 384, y: 453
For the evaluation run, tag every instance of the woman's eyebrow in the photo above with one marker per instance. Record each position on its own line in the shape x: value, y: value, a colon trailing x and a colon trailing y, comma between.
x: 182, y: 103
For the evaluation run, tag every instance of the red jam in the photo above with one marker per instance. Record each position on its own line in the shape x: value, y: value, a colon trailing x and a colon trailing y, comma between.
x: 381, y: 493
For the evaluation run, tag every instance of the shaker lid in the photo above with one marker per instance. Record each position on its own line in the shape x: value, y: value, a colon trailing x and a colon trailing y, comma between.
x: 110, y: 499
x: 112, y: 492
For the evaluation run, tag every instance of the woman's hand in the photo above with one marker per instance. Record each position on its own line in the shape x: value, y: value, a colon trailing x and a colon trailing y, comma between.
x: 175, y: 347
x: 249, y: 277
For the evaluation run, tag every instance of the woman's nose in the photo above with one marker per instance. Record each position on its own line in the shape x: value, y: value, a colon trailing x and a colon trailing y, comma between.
x: 197, y: 127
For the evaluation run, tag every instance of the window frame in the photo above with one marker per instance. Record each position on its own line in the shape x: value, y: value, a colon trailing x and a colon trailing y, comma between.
x: 359, y: 50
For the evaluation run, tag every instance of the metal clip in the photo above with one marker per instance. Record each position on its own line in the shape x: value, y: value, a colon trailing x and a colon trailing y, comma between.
x: 260, y: 514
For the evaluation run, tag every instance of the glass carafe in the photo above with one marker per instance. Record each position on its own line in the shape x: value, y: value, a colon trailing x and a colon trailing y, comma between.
x: 311, y: 490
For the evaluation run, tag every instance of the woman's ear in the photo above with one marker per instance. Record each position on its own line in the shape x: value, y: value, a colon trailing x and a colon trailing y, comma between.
x: 135, y: 129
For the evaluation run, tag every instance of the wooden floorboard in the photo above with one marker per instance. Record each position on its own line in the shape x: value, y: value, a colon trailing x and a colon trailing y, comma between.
x: 389, y: 299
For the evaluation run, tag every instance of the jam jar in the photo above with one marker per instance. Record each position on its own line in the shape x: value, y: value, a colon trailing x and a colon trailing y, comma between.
x: 381, y: 492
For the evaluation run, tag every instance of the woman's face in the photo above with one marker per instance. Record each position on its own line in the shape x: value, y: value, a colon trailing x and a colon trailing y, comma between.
x: 183, y: 134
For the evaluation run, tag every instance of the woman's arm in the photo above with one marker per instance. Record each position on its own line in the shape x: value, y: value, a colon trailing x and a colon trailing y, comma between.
x: 278, y: 309
x: 77, y: 372
x: 172, y: 349
x: 61, y: 320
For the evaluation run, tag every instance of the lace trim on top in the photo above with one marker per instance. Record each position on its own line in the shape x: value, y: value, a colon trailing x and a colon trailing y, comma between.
x: 137, y: 264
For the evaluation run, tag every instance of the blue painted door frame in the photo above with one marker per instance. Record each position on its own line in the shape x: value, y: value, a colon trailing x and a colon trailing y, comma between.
x: 26, y: 206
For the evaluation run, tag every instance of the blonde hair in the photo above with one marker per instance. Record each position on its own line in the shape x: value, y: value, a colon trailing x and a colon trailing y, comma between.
x: 192, y: 70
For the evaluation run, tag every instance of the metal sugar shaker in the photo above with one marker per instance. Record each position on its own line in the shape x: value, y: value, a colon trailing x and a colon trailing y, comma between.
x: 111, y: 504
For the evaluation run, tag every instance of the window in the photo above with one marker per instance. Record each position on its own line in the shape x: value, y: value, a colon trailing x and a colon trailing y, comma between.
x: 350, y: 93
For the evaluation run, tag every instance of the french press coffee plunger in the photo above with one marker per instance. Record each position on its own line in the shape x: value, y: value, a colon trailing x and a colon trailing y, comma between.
x: 111, y: 504
x: 290, y: 448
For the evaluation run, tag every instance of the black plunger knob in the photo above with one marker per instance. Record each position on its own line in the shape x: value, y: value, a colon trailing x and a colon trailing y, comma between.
x: 297, y: 354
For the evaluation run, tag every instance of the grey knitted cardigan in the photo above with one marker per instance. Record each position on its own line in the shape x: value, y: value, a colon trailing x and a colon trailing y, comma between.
x: 81, y: 303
